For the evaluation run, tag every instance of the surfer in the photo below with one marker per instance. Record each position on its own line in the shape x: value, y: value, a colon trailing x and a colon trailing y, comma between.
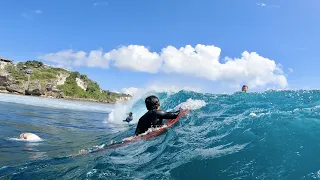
x: 154, y: 116
x: 244, y: 88
x: 129, y: 118
x: 29, y: 136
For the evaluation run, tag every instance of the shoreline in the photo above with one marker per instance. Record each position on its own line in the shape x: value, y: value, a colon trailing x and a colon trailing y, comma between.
x: 65, y: 98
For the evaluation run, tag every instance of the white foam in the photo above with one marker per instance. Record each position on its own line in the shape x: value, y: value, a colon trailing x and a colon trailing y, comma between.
x: 152, y: 130
x: 56, y: 103
x: 192, y: 104
x: 34, y: 139
x: 253, y: 114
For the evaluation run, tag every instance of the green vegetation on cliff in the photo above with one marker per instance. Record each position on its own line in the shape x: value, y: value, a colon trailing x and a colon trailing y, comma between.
x: 49, y: 76
x: 16, y: 74
x: 39, y: 71
x: 93, y: 90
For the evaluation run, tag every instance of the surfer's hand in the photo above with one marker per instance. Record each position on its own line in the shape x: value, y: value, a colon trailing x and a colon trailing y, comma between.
x: 128, y: 138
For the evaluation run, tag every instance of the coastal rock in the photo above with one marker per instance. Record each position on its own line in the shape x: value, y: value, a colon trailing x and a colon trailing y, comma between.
x: 52, y: 94
x: 124, y: 98
x: 60, y: 95
x: 81, y: 84
x: 61, y: 78
x: 3, y: 71
x: 34, y: 88
x: 54, y: 89
x: 4, y: 81
x: 49, y: 87
x: 14, y: 88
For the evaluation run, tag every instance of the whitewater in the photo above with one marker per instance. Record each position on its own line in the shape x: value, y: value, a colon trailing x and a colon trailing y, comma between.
x: 267, y: 135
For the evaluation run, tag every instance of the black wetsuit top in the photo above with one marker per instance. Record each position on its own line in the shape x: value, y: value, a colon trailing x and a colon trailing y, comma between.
x: 153, y: 118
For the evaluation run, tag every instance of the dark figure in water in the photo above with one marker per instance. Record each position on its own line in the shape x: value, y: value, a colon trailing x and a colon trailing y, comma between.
x: 129, y: 118
x: 154, y: 116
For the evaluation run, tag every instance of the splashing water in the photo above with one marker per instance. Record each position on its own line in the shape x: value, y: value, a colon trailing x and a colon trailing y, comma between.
x: 122, y: 109
x: 192, y: 104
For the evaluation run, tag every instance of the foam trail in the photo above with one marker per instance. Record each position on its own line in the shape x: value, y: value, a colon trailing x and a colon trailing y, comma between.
x: 56, y: 103
x: 26, y: 140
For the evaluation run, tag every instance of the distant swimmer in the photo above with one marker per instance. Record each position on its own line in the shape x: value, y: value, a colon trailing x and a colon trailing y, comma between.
x: 154, y: 116
x: 29, y: 136
x: 129, y: 118
x: 245, y: 88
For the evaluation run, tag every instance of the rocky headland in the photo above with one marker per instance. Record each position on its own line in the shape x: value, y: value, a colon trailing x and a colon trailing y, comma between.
x: 34, y: 78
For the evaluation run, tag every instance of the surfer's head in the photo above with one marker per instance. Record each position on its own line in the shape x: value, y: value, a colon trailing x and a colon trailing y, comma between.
x: 244, y: 88
x: 152, y: 103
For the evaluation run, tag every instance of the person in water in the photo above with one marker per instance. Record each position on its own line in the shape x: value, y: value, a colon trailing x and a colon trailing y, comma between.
x: 129, y: 118
x: 29, y: 136
x: 244, y: 88
x: 154, y: 116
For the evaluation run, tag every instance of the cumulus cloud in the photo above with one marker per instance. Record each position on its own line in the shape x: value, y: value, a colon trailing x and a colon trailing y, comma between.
x: 131, y: 90
x: 69, y: 58
x: 134, y: 57
x: 253, y: 69
x: 200, y: 61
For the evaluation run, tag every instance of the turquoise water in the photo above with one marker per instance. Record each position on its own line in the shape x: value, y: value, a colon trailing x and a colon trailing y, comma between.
x: 271, y: 135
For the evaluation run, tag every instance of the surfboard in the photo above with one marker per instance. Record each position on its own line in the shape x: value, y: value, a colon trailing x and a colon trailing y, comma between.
x: 169, y: 123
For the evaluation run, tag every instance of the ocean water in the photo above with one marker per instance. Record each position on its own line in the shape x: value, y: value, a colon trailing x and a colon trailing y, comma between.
x: 270, y: 135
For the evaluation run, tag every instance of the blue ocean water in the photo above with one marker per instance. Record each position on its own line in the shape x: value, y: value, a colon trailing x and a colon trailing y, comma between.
x: 270, y: 135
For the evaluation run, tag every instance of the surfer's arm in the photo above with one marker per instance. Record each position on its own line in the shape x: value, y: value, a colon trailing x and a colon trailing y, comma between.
x: 168, y: 115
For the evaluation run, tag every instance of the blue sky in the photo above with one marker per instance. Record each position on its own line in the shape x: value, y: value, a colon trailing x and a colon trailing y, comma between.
x: 284, y: 31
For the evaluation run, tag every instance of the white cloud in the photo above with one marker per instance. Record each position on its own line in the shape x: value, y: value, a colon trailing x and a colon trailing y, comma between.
x: 200, y: 61
x: 254, y: 70
x: 69, y: 58
x: 134, y: 57
x: 131, y: 90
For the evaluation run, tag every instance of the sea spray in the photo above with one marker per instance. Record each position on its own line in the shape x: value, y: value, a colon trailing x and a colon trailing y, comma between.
x: 122, y: 109
x: 192, y: 104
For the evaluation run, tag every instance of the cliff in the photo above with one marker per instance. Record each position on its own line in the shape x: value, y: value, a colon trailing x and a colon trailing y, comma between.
x: 37, y: 79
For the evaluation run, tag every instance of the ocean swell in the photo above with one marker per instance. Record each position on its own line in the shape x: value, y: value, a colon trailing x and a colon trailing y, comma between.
x: 270, y: 135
